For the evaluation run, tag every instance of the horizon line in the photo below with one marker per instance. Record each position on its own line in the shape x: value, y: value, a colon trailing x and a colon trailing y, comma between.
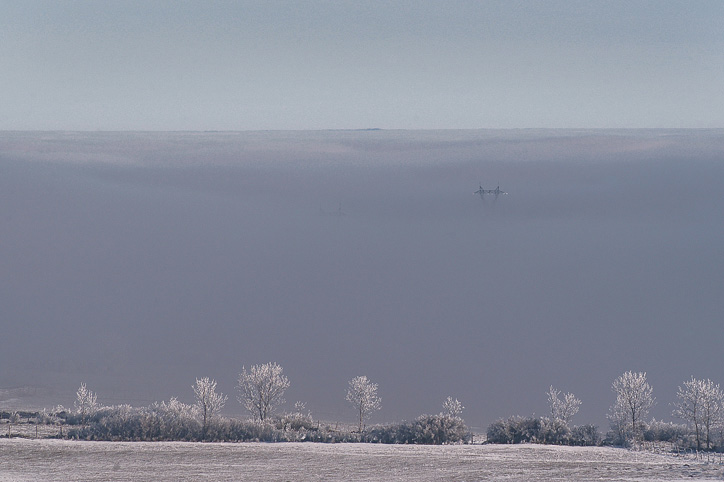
x: 369, y: 129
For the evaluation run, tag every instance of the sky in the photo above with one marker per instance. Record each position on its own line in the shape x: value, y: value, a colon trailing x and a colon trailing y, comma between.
x: 280, y: 65
x: 138, y: 262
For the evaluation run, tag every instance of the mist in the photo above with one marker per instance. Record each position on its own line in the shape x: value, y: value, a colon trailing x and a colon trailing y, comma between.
x: 136, y: 262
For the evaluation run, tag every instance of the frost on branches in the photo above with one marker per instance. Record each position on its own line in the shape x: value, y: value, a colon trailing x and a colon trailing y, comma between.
x: 85, y: 403
x: 700, y: 402
x: 362, y: 394
x: 208, y: 402
x: 633, y: 401
x: 261, y: 389
x: 452, y: 408
x: 565, y: 408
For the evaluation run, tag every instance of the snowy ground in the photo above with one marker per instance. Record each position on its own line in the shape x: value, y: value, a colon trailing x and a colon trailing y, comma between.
x: 48, y: 460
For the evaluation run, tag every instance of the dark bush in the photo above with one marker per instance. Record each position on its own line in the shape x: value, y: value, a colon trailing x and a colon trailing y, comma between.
x: 585, y: 435
x: 679, y: 434
x: 654, y: 431
x: 515, y: 430
x: 23, y: 414
x: 425, y: 430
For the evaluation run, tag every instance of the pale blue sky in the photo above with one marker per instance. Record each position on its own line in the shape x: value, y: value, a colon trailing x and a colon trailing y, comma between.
x: 244, y: 65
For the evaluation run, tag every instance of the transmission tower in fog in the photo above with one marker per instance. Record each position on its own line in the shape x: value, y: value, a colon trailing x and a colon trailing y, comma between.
x: 495, y: 192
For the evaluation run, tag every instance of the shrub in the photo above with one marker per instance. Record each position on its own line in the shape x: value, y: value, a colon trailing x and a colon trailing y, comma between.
x: 543, y: 430
x: 585, y: 435
x: 657, y: 431
x: 513, y: 430
x: 296, y: 420
x: 173, y: 420
x: 426, y: 430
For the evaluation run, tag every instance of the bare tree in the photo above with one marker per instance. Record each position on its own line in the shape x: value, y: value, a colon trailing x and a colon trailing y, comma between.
x: 452, y: 408
x: 85, y: 402
x: 713, y: 409
x: 208, y: 402
x: 15, y: 418
x: 362, y: 394
x: 700, y: 403
x: 618, y: 418
x: 565, y: 408
x: 633, y: 400
x: 261, y: 389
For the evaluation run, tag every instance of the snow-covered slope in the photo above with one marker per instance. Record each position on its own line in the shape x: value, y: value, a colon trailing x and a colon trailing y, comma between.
x: 51, y: 460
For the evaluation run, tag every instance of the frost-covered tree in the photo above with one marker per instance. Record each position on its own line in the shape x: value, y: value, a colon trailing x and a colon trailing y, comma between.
x: 713, y: 409
x: 261, y: 389
x: 13, y: 419
x: 208, y: 402
x: 565, y: 408
x: 634, y: 399
x: 362, y: 394
x: 618, y: 419
x: 452, y: 408
x: 85, y: 402
x: 700, y: 403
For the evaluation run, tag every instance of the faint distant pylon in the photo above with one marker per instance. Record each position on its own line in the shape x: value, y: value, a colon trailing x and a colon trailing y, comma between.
x: 495, y: 192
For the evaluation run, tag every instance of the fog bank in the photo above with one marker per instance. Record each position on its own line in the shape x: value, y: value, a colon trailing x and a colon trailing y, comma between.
x: 136, y: 262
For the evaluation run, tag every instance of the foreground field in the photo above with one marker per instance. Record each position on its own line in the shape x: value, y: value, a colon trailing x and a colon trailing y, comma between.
x: 50, y: 460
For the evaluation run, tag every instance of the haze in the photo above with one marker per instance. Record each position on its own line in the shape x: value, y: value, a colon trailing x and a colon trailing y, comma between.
x: 136, y: 262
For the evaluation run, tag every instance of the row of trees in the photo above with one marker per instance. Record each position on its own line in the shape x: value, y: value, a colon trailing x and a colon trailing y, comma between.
x: 261, y: 391
x: 261, y: 388
x: 700, y: 403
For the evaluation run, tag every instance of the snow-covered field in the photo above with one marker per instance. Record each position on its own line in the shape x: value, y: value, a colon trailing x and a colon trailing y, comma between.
x: 47, y: 460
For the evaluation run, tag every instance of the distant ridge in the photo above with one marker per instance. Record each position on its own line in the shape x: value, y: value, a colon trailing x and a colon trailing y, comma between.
x: 355, y: 130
